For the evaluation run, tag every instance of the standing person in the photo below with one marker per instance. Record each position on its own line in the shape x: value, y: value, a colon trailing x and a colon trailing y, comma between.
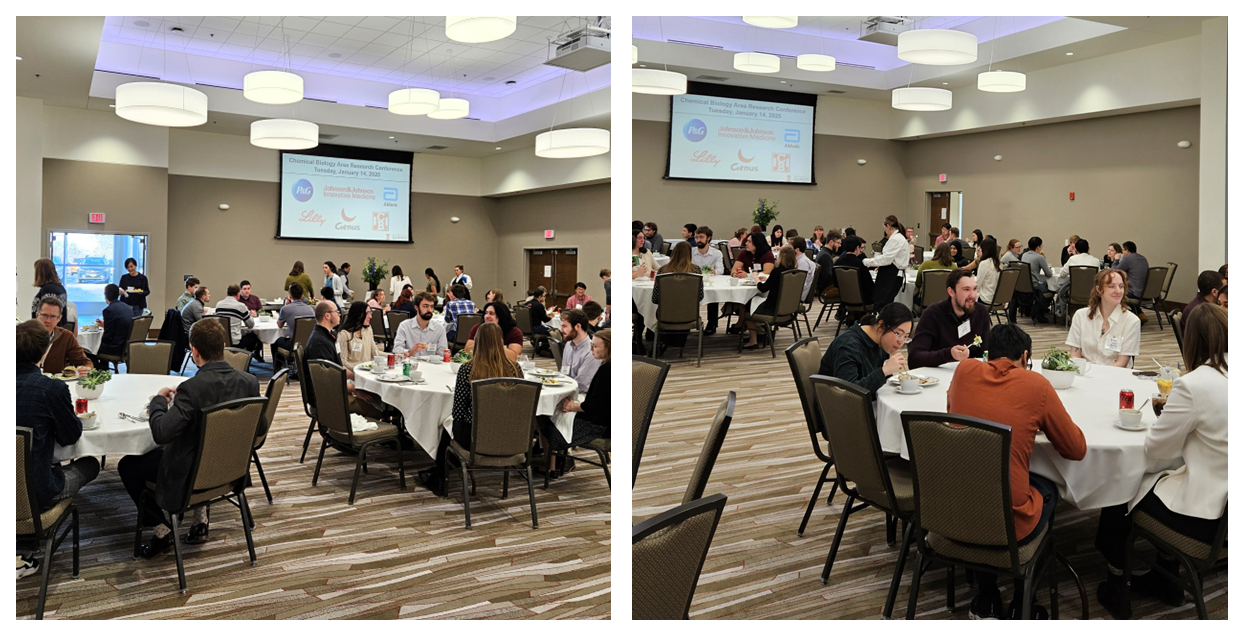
x: 461, y: 277
x: 420, y: 333
x: 64, y: 349
x: 948, y: 329
x: 988, y: 269
x: 577, y: 360
x: 299, y: 276
x: 252, y: 302
x: 772, y: 286
x: 591, y: 412
x: 174, y: 421
x: 868, y: 352
x: 1190, y: 499
x: 1039, y: 272
x: 705, y: 255
x: 117, y: 319
x: 499, y: 313
x: 455, y: 306
x: 134, y: 287
x: 654, y: 238
x: 48, y: 283
x: 333, y: 281
x: 297, y: 307
x: 397, y: 282
x: 354, y: 339
x: 241, y: 323
x: 1103, y: 332
x: 581, y: 297
x: 777, y: 239
x: 193, y: 311
x: 1210, y: 286
x: 890, y: 264
x: 1138, y: 270
x: 642, y: 262
x: 343, y: 272
x: 434, y: 283
x: 1012, y: 255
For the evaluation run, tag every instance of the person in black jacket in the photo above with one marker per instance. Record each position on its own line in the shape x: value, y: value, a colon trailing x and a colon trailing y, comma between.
x: 116, y: 320
x: 134, y: 287
x: 772, y: 287
x: 853, y: 257
x: 175, y: 417
x: 592, y: 414
x: 49, y: 284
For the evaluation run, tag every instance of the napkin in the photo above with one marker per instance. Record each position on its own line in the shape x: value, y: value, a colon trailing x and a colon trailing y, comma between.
x: 360, y: 424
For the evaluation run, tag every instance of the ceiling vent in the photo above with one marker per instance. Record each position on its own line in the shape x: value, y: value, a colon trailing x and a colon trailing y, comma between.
x: 328, y: 137
x: 869, y: 67
x: 836, y: 91
x: 695, y: 44
x: 435, y: 148
x: 710, y: 78
x: 883, y: 29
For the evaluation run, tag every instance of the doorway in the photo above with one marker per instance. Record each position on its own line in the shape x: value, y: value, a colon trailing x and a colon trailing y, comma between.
x: 557, y: 269
x: 945, y: 207
x: 86, y: 262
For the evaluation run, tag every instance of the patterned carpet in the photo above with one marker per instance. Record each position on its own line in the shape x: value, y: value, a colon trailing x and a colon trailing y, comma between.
x: 757, y: 567
x: 390, y: 555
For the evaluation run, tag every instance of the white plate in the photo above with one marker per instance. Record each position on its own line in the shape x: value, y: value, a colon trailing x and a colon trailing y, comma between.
x: 900, y: 391
x: 1142, y: 427
x: 397, y: 379
x: 926, y: 382
x: 364, y: 366
x: 556, y: 382
x: 545, y: 373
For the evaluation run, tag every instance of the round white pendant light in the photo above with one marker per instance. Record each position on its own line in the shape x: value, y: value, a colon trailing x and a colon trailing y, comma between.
x: 161, y: 104
x: 772, y: 22
x: 814, y: 62
x: 919, y: 98
x: 1001, y: 81
x: 752, y: 62
x: 414, y: 101
x: 272, y: 87
x: 451, y: 108
x: 285, y: 135
x: 476, y: 29
x: 635, y: 54
x: 658, y: 82
x: 572, y: 142
x: 937, y: 46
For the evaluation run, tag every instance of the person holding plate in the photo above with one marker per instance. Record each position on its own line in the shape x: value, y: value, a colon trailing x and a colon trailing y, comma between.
x: 134, y: 287
x: 948, y: 330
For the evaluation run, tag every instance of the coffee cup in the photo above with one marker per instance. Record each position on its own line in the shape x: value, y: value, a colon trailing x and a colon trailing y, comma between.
x: 910, y: 385
x: 734, y: 281
x: 1082, y: 366
x: 1130, y: 418
x: 380, y: 362
x: 416, y: 375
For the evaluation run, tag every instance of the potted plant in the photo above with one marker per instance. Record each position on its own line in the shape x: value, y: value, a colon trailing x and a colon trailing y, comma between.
x: 1059, y: 368
x: 459, y: 358
x: 374, y: 273
x: 91, y: 386
x: 765, y: 213
x: 707, y: 272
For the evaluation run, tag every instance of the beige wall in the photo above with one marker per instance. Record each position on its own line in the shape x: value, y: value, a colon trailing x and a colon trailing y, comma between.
x: 29, y: 233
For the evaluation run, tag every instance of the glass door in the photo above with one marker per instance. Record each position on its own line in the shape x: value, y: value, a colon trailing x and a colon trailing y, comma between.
x: 86, y: 262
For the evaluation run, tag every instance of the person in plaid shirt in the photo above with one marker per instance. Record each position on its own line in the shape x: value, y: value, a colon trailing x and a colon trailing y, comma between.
x: 457, y: 305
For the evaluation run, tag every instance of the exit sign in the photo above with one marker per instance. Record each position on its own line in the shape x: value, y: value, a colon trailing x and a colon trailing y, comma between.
x: 942, y: 177
x: 548, y: 234
x: 96, y: 218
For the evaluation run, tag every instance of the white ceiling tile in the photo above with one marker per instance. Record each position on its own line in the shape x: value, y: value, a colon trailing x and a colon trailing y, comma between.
x: 203, y: 46
x: 334, y: 29
x: 269, y: 44
x: 388, y: 64
x: 545, y: 22
x: 134, y: 35
x: 527, y: 48
x: 253, y: 28
x: 363, y: 35
x: 117, y: 20
x: 362, y: 59
x: 220, y: 23
x: 380, y: 23
x: 265, y: 56
x: 346, y: 68
x: 235, y: 50
x: 392, y: 39
x: 347, y: 20
x: 195, y: 20
x: 111, y: 31
x: 305, y: 50
x: 318, y: 40
x: 243, y: 39
x: 321, y: 65
x: 378, y: 50
x: 299, y: 23
x: 530, y: 34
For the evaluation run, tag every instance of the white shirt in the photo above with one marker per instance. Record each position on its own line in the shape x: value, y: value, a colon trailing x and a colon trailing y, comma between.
x: 463, y: 279
x: 894, y: 253
x: 1123, y: 336
x: 1194, y: 426
x: 409, y: 334
x: 396, y: 284
x: 987, y: 281
x: 804, y: 263
x: 578, y: 362
x: 1079, y: 259
x: 712, y: 257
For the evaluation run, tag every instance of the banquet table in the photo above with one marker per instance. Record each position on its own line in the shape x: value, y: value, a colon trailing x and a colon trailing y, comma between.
x: 660, y: 259
x: 114, y: 435
x: 428, y: 407
x: 720, y: 290
x: 266, y: 329
x: 1115, y: 461
x: 90, y: 339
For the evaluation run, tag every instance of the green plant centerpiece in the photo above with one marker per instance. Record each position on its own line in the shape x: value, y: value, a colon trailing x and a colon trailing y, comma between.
x: 1058, y: 360
x: 765, y: 213
x: 91, y: 386
x: 374, y: 273
x: 462, y: 356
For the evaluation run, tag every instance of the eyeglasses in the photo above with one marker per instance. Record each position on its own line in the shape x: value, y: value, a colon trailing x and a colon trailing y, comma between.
x: 903, y: 338
x: 49, y: 317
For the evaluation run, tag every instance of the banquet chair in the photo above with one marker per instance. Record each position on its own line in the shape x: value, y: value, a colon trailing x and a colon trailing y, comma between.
x: 678, y: 308
x: 1151, y: 295
x: 709, y: 451
x: 379, y: 333
x: 238, y: 359
x: 523, y: 319
x: 276, y: 387
x: 503, y: 411
x: 786, y: 310
x: 827, y: 303
x: 555, y: 348
x: 1079, y: 290
x: 1003, y: 294
x: 961, y: 490
x: 462, y: 333
x: 846, y: 412
x: 735, y: 250
x: 1024, y: 286
x: 226, y: 323
x: 172, y: 330
x: 647, y: 378
x: 726, y: 259
x: 138, y: 332
x: 806, y: 304
x: 328, y: 381
x: 304, y: 386
x: 665, y: 248
x: 804, y: 358
x: 1197, y: 557
x: 34, y: 524
x: 918, y: 253
x: 220, y: 470
x: 149, y: 357
x: 933, y: 289
x: 668, y: 552
x: 395, y: 319
x: 850, y: 297
x: 1174, y: 318
x: 1167, y: 281
x: 303, y: 327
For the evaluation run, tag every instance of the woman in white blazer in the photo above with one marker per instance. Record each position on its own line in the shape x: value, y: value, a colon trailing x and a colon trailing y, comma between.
x: 1194, y: 427
x: 397, y: 282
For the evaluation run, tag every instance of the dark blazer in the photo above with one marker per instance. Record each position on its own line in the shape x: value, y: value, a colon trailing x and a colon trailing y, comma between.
x: 45, y: 406
x: 176, y: 426
x: 596, y: 404
x: 850, y: 260
x: 118, y: 318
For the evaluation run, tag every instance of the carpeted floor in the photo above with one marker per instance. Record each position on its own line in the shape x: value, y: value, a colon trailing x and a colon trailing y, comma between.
x: 393, y: 554
x: 757, y: 567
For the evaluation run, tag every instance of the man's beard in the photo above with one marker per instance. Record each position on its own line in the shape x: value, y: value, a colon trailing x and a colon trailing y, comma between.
x: 425, y: 316
x: 968, y: 306
x: 701, y: 244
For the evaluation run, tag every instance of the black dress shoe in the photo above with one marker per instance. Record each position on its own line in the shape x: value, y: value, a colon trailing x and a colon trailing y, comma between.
x: 198, y: 534
x: 156, y: 546
x: 711, y: 331
x: 434, y: 484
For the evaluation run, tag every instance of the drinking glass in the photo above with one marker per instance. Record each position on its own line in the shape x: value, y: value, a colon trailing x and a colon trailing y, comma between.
x: 1158, y: 402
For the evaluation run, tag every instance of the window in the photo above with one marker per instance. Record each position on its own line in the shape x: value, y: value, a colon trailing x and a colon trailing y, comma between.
x: 86, y: 262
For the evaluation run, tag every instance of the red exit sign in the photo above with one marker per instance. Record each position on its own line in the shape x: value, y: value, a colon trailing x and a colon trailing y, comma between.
x: 548, y: 234
x: 95, y: 218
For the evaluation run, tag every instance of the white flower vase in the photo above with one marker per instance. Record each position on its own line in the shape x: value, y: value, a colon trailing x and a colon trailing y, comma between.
x: 454, y: 366
x: 1060, y: 379
x: 90, y: 395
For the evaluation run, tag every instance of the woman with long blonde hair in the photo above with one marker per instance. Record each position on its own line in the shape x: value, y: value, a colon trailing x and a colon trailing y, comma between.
x: 680, y: 259
x: 1105, y: 332
x: 590, y: 417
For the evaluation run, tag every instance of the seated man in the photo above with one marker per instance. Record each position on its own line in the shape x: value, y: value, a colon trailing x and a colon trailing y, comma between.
x: 252, y: 302
x: 419, y: 334
x: 64, y: 351
x: 1078, y: 255
x: 192, y: 285
x: 240, y: 320
x: 947, y: 329
x: 296, y: 308
x: 540, y: 315
x: 117, y: 319
x: 577, y: 360
x: 322, y: 345
x: 174, y: 419
x: 580, y: 297
x: 1004, y: 391
x: 326, y: 294
x: 825, y: 259
x: 1209, y: 285
x: 193, y: 311
x: 595, y: 313
x: 853, y: 257
x: 456, y: 304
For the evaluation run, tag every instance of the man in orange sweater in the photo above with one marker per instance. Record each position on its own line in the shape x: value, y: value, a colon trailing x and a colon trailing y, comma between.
x: 1007, y: 392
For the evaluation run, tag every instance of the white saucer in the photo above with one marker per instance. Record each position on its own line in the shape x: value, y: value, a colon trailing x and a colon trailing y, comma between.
x: 900, y: 391
x: 1140, y: 428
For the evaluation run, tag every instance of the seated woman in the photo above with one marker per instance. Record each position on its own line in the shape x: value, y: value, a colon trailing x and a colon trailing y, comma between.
x: 772, y: 286
x: 498, y: 313
x: 1190, y: 499
x: 642, y: 262
x: 590, y: 415
x: 493, y: 295
x: 488, y: 362
x: 680, y: 261
x: 406, y: 301
x: 354, y: 342
x: 1119, y: 331
x: 868, y: 352
x: 988, y: 269
x: 940, y: 260
x: 377, y: 300
x: 961, y: 261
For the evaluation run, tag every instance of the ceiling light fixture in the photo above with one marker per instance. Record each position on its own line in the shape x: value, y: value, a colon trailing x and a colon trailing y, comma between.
x: 658, y: 81
x: 413, y: 101
x: 477, y: 29
x: 285, y: 135
x: 753, y: 62
x: 921, y: 98
x: 451, y: 108
x: 817, y: 62
x: 939, y: 47
x: 635, y: 54
x: 772, y: 22
x: 992, y: 81
x: 161, y: 104
x: 572, y: 142
x: 272, y: 87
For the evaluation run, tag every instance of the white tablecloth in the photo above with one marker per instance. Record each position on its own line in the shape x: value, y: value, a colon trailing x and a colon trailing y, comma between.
x: 266, y: 329
x: 128, y: 393
x: 660, y: 259
x: 720, y: 290
x: 1115, y: 460
x: 90, y: 340
x: 429, y: 407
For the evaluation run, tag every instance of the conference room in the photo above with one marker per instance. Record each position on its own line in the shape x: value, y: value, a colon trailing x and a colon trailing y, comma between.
x: 319, y: 317
x: 892, y: 239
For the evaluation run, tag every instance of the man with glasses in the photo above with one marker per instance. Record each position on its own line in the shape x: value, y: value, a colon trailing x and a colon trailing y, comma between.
x: 64, y: 350
x: 949, y: 330
x: 322, y: 345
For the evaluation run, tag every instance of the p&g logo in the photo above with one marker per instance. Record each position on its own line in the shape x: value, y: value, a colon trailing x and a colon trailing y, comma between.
x: 302, y: 190
x: 694, y: 131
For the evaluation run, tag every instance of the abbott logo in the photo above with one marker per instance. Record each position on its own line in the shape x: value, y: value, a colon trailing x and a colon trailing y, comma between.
x: 302, y: 190
x: 791, y: 135
x: 391, y: 194
x: 694, y: 131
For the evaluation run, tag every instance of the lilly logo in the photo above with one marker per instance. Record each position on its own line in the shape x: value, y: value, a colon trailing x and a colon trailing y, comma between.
x: 745, y: 160
x: 302, y: 190
x: 346, y: 219
x: 695, y: 131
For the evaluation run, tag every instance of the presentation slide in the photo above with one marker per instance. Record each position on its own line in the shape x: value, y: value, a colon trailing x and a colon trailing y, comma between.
x: 344, y: 199
x: 744, y: 140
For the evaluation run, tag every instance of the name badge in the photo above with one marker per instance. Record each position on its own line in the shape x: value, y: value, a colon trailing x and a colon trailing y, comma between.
x: 965, y: 328
x: 1113, y: 344
x: 357, y: 346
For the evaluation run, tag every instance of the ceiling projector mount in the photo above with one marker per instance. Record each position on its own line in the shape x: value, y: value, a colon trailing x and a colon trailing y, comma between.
x: 884, y: 29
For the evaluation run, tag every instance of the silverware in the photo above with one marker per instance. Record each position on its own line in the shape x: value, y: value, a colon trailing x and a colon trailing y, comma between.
x: 449, y: 388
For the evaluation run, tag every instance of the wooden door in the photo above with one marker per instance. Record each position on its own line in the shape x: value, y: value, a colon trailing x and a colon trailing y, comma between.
x: 557, y: 269
x: 538, y: 263
x: 939, y: 214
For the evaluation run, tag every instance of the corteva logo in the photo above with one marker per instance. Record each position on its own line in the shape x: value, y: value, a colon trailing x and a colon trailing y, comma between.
x: 302, y: 190
x: 694, y: 131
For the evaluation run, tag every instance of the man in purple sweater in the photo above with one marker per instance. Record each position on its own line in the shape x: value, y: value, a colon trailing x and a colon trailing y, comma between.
x: 948, y: 328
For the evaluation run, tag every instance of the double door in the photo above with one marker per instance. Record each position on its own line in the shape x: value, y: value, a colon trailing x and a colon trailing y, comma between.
x: 557, y: 269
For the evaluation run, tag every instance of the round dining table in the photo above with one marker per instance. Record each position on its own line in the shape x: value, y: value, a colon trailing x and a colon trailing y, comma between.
x: 114, y: 434
x: 90, y: 339
x: 1115, y: 460
x: 660, y: 259
x: 718, y: 289
x: 266, y: 329
x: 427, y: 407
